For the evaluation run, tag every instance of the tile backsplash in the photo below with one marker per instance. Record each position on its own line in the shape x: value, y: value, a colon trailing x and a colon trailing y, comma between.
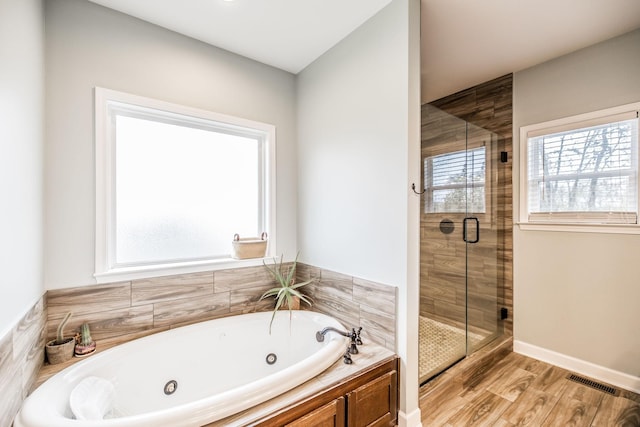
x: 21, y: 357
x: 120, y: 309
x: 129, y: 308
x: 354, y: 302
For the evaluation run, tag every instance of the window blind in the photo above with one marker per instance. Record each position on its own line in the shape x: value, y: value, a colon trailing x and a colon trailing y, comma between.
x: 585, y: 174
x: 455, y: 182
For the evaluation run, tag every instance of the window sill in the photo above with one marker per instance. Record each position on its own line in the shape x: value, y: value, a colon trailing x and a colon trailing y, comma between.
x: 581, y: 228
x: 146, y: 272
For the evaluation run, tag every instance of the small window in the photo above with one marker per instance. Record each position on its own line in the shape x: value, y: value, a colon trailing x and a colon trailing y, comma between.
x: 175, y: 184
x: 581, y: 170
x: 454, y: 182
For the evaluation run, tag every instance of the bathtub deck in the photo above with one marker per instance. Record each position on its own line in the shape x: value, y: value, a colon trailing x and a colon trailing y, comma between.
x: 370, y: 355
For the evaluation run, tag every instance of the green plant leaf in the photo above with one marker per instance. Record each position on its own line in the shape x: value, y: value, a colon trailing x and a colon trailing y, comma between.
x: 287, y: 289
x: 299, y: 285
x: 292, y: 271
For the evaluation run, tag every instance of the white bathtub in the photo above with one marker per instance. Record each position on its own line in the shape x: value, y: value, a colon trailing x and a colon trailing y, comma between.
x: 220, y: 368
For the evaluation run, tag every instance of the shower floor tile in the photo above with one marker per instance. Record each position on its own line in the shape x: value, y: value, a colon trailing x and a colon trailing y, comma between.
x: 441, y: 345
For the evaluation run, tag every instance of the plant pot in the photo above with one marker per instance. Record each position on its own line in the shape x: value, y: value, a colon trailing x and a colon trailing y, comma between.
x: 84, y: 350
x: 58, y: 353
x: 295, y: 304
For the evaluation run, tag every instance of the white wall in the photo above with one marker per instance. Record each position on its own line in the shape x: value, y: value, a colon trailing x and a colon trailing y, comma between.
x: 21, y: 125
x: 578, y: 294
x: 356, y: 126
x: 87, y: 46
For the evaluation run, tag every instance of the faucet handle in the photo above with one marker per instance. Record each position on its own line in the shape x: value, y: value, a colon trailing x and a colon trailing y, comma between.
x: 357, y: 335
x: 355, y: 340
x: 346, y: 358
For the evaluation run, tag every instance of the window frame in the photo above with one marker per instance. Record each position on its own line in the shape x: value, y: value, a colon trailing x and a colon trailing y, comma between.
x: 485, y: 217
x: 430, y: 189
x: 571, y: 221
x: 105, y: 268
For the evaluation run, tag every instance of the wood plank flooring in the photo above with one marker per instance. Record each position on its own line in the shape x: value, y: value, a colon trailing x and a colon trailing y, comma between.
x: 521, y: 391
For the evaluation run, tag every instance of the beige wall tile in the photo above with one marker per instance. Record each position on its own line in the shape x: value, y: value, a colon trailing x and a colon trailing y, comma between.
x: 21, y: 357
x: 6, y: 350
x: 190, y: 309
x: 29, y: 330
x: 31, y: 366
x: 347, y: 312
x: 240, y: 278
x: 305, y: 272
x: 88, y: 299
x: 12, y: 392
x: 107, y: 324
x: 378, y: 324
x: 375, y: 295
x: 246, y: 300
x: 170, y: 288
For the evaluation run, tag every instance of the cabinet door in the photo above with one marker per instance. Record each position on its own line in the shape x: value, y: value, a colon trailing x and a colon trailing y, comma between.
x: 330, y: 415
x: 375, y: 403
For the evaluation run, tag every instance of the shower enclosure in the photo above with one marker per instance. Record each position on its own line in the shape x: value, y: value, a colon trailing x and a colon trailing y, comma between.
x: 461, y: 239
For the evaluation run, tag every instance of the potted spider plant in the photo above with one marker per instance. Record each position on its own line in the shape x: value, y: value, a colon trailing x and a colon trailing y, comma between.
x: 60, y: 349
x: 287, y: 294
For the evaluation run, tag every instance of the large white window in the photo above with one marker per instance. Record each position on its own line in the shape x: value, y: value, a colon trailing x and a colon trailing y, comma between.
x: 174, y: 184
x: 582, y: 169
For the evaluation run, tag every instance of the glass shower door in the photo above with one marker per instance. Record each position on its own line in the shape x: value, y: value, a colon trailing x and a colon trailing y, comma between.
x: 482, y: 236
x: 459, y: 241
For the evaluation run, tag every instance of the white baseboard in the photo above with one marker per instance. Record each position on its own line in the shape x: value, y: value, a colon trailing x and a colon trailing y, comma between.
x: 413, y: 419
x: 601, y: 373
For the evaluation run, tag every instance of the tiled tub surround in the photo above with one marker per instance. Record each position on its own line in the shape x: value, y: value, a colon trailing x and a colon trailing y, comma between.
x: 354, y: 302
x: 21, y: 357
x: 126, y: 310
x: 120, y: 312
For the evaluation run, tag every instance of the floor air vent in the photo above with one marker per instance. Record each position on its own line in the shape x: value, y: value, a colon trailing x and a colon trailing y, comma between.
x: 593, y: 384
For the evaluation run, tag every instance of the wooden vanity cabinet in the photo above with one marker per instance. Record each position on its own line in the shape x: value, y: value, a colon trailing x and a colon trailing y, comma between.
x: 368, y: 399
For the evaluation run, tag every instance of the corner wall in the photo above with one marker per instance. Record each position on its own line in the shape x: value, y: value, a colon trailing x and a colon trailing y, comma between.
x: 21, y: 136
x: 358, y: 152
x: 576, y: 294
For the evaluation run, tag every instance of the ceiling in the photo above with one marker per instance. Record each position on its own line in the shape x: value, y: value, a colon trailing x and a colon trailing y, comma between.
x: 464, y: 42
x: 287, y: 34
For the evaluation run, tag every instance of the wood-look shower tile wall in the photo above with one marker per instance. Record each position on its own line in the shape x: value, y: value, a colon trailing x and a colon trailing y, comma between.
x: 488, y: 106
x: 21, y: 356
x: 128, y: 309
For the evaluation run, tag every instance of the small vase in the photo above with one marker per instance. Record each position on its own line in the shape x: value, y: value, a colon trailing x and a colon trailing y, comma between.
x: 84, y: 350
x: 59, y: 353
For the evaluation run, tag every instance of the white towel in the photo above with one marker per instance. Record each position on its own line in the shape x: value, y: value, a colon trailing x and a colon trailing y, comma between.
x: 92, y: 399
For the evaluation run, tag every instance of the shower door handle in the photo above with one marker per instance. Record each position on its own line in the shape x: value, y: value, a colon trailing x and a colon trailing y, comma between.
x: 465, y: 234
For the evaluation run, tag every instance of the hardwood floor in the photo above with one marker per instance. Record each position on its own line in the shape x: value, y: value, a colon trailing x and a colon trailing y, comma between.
x: 520, y: 391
